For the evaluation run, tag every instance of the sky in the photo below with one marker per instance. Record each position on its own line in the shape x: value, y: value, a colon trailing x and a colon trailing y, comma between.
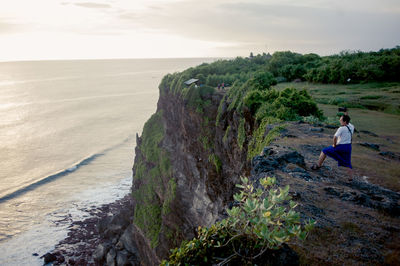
x: 85, y: 29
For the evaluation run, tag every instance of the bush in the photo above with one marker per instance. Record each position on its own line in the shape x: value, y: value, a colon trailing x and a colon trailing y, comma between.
x: 288, y: 104
x: 262, y: 80
x: 263, y: 219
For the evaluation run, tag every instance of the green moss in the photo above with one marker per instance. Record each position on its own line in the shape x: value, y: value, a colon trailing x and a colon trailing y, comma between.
x: 153, y: 133
x: 139, y: 171
x: 220, y: 107
x: 169, y: 196
x: 148, y: 217
x: 225, y: 138
x: 241, y: 134
x: 260, y: 140
x: 205, y: 142
x: 150, y: 173
x: 213, y: 158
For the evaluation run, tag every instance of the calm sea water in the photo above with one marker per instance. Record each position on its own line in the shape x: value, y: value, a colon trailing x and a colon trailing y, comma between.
x: 67, y: 138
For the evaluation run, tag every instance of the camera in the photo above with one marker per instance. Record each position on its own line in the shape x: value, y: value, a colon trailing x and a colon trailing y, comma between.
x: 342, y: 109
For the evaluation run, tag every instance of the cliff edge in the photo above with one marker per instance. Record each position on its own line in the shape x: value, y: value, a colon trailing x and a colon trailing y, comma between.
x: 194, y: 149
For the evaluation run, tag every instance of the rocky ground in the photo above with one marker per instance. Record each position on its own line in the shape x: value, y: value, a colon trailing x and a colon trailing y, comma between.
x: 358, y: 223
x: 104, y: 238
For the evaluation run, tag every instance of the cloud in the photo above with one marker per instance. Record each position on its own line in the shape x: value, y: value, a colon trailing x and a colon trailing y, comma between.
x: 7, y: 26
x: 277, y: 25
x: 92, y: 5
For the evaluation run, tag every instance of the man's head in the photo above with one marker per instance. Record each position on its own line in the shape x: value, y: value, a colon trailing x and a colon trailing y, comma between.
x: 344, y: 120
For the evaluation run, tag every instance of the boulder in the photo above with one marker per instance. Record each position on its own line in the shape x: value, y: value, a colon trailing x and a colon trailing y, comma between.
x: 110, y: 258
x: 370, y: 145
x: 127, y: 240
x: 100, y: 252
x: 122, y: 258
x: 49, y: 257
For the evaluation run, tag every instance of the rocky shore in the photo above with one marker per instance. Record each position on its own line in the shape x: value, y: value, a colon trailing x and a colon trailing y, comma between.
x: 104, y: 238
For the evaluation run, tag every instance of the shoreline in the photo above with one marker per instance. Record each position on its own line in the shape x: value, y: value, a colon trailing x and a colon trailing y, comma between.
x: 86, y: 240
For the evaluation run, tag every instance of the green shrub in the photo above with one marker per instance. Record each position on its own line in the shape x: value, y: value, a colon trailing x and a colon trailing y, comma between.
x: 262, y: 80
x: 288, y: 104
x: 214, y: 159
x: 263, y: 219
x: 259, y: 140
x: 241, y: 133
x: 225, y: 138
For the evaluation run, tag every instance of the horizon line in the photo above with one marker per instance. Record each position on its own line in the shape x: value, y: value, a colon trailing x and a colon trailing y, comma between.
x: 116, y: 58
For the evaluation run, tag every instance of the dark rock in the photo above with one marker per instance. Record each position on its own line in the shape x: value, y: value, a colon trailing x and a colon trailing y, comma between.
x: 128, y: 242
x: 103, y: 224
x: 100, y: 252
x: 370, y: 145
x: 35, y: 254
x: 331, y: 126
x: 60, y: 259
x: 332, y: 191
x: 292, y: 157
x: 283, y: 256
x: 319, y: 129
x: 305, y: 176
x: 390, y: 155
x: 122, y: 219
x: 261, y: 164
x: 369, y: 133
x: 112, y: 230
x: 122, y: 258
x: 275, y: 157
x: 369, y: 254
x: 71, y: 261
x: 110, y: 258
x: 49, y: 257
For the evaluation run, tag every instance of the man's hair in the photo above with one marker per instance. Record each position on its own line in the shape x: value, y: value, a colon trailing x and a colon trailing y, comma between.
x: 346, y: 118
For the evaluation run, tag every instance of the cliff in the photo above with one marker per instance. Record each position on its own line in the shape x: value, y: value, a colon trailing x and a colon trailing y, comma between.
x: 194, y: 149
x: 185, y: 176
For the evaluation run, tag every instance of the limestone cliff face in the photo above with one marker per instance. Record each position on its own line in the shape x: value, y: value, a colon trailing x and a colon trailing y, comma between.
x: 189, y: 158
x: 198, y: 165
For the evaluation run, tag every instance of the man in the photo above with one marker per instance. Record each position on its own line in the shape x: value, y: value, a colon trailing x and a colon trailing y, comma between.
x: 341, y: 148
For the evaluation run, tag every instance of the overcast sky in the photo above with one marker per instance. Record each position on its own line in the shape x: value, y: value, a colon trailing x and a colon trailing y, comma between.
x: 72, y: 29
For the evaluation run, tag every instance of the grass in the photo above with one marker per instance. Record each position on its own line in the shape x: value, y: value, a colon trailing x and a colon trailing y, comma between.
x: 373, y: 107
x: 383, y: 97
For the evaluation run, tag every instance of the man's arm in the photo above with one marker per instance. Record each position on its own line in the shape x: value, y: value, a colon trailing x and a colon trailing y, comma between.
x: 334, y: 141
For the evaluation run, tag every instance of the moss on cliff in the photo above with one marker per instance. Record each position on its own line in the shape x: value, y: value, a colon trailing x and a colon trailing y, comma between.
x: 225, y: 138
x: 241, y: 134
x: 170, y: 196
x: 214, y: 159
x: 152, y: 199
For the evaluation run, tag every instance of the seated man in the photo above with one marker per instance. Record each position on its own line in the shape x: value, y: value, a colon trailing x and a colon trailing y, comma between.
x: 341, y: 148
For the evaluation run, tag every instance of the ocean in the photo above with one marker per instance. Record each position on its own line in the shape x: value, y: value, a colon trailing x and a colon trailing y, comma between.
x: 67, y: 139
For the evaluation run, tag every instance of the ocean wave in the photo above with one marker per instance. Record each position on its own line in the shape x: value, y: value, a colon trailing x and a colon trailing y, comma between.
x: 63, y: 172
x: 50, y: 178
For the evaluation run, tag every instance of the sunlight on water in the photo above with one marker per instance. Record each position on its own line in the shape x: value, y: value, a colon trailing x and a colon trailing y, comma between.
x: 67, y: 138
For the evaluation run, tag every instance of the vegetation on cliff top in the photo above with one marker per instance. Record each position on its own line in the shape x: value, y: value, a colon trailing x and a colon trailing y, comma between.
x: 345, y: 67
x: 249, y: 82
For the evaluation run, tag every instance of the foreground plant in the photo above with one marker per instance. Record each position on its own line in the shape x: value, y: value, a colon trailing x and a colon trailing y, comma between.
x: 264, y: 219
